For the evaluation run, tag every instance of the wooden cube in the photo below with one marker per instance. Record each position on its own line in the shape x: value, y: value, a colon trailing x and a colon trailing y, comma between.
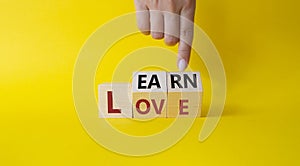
x: 149, y: 94
x: 115, y: 100
x: 184, y: 94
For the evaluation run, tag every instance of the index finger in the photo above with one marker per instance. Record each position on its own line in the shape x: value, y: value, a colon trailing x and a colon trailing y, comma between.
x: 186, y: 38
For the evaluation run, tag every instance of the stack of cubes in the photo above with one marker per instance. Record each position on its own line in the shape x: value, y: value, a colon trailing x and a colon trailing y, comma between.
x: 152, y: 94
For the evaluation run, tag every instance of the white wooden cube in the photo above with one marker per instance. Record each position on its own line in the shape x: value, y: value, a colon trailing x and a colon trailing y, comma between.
x: 115, y: 100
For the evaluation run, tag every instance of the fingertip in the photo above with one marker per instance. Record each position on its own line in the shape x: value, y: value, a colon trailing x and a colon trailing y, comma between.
x: 170, y: 40
x: 157, y: 35
x: 145, y: 32
x: 184, y: 52
x: 182, y: 64
x: 143, y: 25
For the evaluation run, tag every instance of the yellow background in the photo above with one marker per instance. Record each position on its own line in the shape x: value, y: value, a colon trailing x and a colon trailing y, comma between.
x: 258, y: 42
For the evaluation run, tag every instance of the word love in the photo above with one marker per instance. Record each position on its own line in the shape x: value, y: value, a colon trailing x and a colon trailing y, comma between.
x: 152, y: 94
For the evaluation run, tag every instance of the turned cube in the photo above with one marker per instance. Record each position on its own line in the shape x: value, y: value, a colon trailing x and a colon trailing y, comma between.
x: 184, y: 94
x: 149, y: 94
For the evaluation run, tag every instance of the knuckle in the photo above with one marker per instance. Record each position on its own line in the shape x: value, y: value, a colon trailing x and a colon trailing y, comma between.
x: 184, y: 52
x: 170, y: 5
x: 154, y: 3
x: 189, y: 3
x: 186, y: 34
x: 139, y: 2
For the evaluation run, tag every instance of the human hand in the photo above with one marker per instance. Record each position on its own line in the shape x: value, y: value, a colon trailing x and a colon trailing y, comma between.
x: 171, y: 20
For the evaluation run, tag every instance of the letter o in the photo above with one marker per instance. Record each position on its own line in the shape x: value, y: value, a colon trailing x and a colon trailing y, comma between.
x: 138, y: 103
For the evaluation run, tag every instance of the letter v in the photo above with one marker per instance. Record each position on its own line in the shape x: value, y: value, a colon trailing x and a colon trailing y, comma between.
x: 158, y: 111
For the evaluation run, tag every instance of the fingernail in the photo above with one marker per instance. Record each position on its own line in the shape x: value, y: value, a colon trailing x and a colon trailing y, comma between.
x: 182, y: 64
